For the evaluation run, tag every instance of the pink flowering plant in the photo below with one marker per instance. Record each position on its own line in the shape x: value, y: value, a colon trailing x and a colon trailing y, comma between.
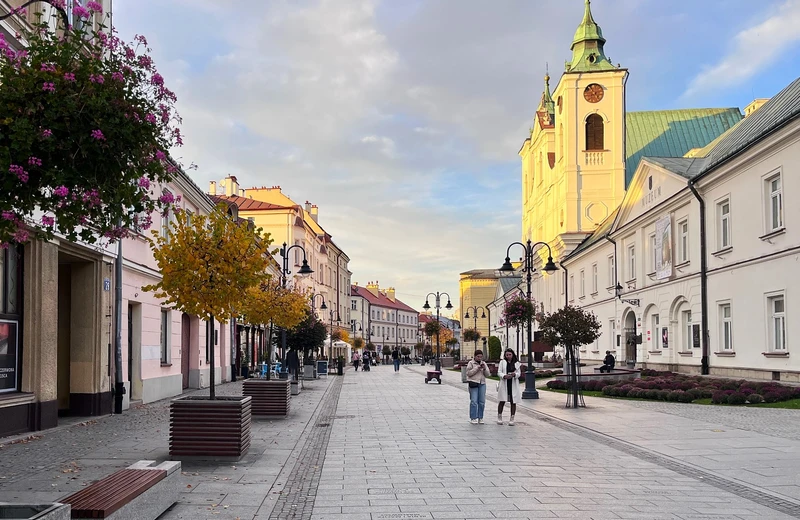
x: 85, y: 131
x: 518, y: 311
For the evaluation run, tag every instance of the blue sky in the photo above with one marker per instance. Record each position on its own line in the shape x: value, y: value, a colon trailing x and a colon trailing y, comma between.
x: 402, y: 120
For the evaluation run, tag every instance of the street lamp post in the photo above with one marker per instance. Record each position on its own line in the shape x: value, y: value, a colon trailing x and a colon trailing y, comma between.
x: 321, y: 307
x: 427, y: 306
x: 303, y: 271
x: 474, y: 310
x: 330, y: 343
x: 530, y: 391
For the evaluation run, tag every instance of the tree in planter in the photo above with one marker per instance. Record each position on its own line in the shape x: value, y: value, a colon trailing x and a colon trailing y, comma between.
x: 87, y: 124
x: 570, y: 327
x: 358, y: 343
x: 207, y: 264
x: 308, y: 335
x: 387, y: 350
x: 442, y: 333
x: 495, y: 348
x: 271, y: 304
x: 419, y: 347
x: 371, y: 346
x: 405, y: 351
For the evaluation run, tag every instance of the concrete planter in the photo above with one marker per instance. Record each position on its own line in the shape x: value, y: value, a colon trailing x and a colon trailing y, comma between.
x: 35, y: 511
x: 269, y: 398
x: 202, y: 429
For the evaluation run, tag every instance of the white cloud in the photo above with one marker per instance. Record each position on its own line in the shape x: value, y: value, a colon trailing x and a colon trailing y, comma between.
x: 752, y: 50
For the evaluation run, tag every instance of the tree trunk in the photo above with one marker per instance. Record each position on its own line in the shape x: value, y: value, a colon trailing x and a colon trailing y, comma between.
x: 210, y: 339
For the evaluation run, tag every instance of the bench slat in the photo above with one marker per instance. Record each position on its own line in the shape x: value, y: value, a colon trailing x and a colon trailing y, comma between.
x: 104, y: 497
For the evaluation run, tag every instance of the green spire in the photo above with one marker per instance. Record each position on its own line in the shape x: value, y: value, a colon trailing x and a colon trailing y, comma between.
x: 547, y: 98
x: 587, y: 46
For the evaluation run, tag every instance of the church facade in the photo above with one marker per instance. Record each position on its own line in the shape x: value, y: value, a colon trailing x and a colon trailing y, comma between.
x: 639, y: 210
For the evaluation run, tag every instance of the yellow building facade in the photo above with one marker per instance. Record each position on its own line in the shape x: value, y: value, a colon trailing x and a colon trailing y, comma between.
x: 477, y: 289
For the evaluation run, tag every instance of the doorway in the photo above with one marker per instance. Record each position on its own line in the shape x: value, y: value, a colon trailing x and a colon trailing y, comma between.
x: 64, y: 337
x: 186, y: 330
x: 629, y: 335
x: 135, y: 350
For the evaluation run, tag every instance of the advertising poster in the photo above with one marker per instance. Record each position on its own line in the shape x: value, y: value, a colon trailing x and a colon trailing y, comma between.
x: 663, y: 248
x: 8, y: 356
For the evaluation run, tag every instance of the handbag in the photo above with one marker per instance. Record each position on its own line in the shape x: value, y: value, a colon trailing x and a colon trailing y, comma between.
x: 473, y: 384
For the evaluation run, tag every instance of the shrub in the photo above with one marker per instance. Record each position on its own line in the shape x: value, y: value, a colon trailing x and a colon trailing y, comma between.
x: 686, y: 397
x: 755, y: 399
x: 770, y: 397
x: 636, y: 393
x: 695, y: 393
x: 719, y: 397
x: 623, y: 390
x: 737, y: 398
x: 663, y: 394
x: 609, y: 390
x: 675, y: 395
x: 557, y: 384
x: 651, y: 394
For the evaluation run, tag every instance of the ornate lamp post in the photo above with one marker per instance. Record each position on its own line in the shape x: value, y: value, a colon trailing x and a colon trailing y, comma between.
x: 427, y: 306
x: 530, y: 391
x: 330, y: 345
x: 474, y: 310
x: 304, y: 270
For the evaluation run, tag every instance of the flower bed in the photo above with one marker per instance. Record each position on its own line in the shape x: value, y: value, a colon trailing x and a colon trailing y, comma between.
x: 668, y: 386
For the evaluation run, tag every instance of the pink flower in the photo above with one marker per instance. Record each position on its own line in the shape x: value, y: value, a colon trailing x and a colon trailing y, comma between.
x: 97, y: 78
x: 146, y: 62
x: 81, y: 12
x: 60, y: 4
x: 150, y: 118
x: 34, y: 161
x: 47, y: 132
x: 19, y: 171
x: 160, y: 155
x: 61, y: 191
x: 48, y: 87
x: 144, y: 182
x: 48, y: 67
x: 97, y: 134
x: 48, y: 221
x: 157, y: 79
x: 167, y: 198
x: 95, y: 6
x: 21, y: 236
x: 129, y: 53
x: 141, y: 39
x: 117, y: 76
x: 69, y: 76
x: 9, y: 215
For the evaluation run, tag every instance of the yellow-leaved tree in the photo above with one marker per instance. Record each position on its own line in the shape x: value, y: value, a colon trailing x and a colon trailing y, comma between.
x: 207, y: 265
x: 270, y: 304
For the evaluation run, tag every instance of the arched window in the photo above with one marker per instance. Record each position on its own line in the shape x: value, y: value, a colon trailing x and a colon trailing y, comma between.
x: 594, y: 132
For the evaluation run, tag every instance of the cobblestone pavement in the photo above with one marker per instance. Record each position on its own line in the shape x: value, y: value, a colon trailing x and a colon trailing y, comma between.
x: 411, y: 453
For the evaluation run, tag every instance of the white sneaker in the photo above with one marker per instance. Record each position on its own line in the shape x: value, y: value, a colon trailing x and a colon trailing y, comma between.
x: 511, y: 421
x: 480, y: 421
x: 474, y: 421
x: 499, y: 419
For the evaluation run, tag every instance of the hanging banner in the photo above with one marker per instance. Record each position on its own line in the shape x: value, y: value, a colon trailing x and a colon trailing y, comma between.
x: 9, y: 350
x: 663, y: 248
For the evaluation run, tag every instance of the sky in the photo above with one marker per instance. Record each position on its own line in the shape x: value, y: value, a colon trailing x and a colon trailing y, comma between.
x: 402, y: 119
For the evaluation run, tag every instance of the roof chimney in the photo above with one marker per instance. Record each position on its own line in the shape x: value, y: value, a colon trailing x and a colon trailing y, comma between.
x: 212, y: 188
x: 231, y: 185
x: 390, y: 293
x: 374, y: 288
x: 314, y: 211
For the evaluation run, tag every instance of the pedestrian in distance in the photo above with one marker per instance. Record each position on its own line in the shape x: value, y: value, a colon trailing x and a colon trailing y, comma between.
x: 477, y: 372
x: 356, y: 360
x: 509, y: 372
x: 366, y: 360
x: 608, y: 362
x: 396, y: 359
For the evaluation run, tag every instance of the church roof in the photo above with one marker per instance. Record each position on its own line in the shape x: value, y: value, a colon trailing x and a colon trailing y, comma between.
x: 686, y: 167
x: 587, y: 46
x: 673, y: 133
x: 508, y: 283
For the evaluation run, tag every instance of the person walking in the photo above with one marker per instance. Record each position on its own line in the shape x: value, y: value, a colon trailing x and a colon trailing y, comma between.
x: 356, y: 359
x: 477, y: 372
x: 396, y: 359
x: 366, y: 360
x: 509, y: 372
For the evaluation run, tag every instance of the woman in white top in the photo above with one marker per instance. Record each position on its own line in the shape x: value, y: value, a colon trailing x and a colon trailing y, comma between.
x: 509, y: 373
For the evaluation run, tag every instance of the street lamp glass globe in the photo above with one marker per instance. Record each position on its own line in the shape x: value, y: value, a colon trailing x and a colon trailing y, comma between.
x: 323, y: 306
x: 507, y: 267
x: 449, y: 305
x: 466, y: 316
x: 550, y: 267
x: 305, y: 269
x: 426, y: 306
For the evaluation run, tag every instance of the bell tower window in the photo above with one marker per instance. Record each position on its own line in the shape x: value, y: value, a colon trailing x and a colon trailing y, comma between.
x: 594, y: 132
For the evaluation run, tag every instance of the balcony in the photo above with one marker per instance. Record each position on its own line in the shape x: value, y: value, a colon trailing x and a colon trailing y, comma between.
x: 594, y: 158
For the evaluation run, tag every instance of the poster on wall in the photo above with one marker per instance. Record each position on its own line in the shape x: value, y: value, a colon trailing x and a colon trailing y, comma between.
x: 665, y: 337
x: 663, y: 248
x: 8, y: 356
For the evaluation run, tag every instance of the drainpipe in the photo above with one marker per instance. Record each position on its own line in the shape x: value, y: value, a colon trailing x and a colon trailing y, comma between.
x: 566, y: 283
x: 119, y: 386
x: 704, y: 369
x: 615, y: 281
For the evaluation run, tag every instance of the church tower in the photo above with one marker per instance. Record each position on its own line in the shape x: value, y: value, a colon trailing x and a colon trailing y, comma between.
x: 573, y: 164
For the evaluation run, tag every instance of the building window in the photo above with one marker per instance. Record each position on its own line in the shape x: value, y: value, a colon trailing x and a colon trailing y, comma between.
x: 612, y: 271
x: 164, y: 336
x: 655, y: 333
x: 631, y: 262
x: 683, y: 241
x: 653, y: 255
x: 612, y: 335
x: 166, y: 219
x: 774, y: 203
x: 686, y: 323
x: 594, y: 278
x: 354, y: 305
x: 724, y: 224
x: 594, y: 132
x: 776, y: 306
x: 572, y: 287
x: 726, y: 327
x: 583, y: 283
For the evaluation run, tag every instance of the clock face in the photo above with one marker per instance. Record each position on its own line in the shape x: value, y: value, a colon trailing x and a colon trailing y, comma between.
x: 593, y: 93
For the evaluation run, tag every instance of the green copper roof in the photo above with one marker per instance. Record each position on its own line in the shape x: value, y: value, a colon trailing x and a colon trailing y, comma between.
x: 673, y: 133
x: 587, y: 46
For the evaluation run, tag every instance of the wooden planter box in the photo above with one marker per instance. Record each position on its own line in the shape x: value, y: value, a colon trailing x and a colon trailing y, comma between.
x: 269, y: 398
x: 202, y: 429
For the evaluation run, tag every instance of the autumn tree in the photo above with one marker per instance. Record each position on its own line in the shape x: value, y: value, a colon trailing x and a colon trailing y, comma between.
x: 358, y: 343
x: 207, y: 265
x: 271, y: 304
x: 570, y: 327
x: 308, y: 335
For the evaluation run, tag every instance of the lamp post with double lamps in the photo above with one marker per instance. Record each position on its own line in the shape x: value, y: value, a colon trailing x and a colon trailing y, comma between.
x: 332, y: 313
x: 321, y: 307
x: 427, y: 307
x: 474, y: 309
x: 530, y: 391
x: 304, y: 270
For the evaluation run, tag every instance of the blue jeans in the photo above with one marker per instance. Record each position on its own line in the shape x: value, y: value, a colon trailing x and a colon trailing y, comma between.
x: 396, y: 365
x: 477, y: 401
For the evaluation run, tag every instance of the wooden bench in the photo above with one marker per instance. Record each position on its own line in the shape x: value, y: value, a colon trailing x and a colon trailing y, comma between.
x: 433, y: 374
x: 140, y: 491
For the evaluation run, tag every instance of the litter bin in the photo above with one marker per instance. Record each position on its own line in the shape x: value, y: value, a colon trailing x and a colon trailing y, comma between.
x: 463, y: 373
